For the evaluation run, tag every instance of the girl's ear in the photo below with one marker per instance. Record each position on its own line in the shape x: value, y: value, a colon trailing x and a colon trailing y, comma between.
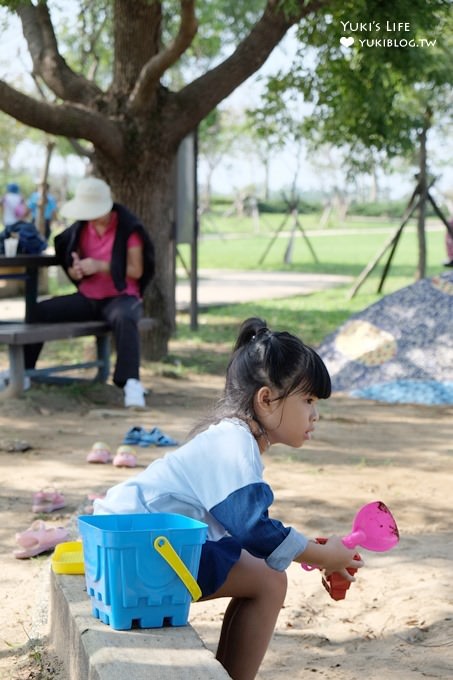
x: 262, y: 400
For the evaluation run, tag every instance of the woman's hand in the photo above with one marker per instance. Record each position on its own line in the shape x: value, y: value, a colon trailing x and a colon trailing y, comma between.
x: 91, y: 266
x: 86, y: 267
x: 75, y: 272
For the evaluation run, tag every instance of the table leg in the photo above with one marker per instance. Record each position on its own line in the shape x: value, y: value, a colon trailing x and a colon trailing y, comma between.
x: 31, y: 292
x: 16, y: 371
x: 103, y: 355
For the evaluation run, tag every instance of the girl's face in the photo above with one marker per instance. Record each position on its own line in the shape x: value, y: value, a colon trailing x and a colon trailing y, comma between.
x: 290, y: 420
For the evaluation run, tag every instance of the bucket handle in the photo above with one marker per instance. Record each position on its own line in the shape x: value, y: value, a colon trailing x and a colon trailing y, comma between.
x: 165, y: 548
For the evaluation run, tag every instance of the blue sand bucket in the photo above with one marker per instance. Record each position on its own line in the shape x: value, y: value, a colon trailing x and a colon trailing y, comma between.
x: 141, y: 570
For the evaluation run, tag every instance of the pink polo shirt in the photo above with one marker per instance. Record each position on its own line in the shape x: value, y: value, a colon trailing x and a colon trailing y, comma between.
x: 99, y: 247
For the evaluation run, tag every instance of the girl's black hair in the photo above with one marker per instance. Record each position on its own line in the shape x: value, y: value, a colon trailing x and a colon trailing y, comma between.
x: 278, y: 360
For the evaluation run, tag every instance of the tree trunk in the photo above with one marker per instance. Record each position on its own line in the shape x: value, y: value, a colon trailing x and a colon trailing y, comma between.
x: 42, y: 201
x: 147, y: 189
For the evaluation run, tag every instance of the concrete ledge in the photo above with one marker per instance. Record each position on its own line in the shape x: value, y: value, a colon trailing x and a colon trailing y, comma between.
x: 91, y: 650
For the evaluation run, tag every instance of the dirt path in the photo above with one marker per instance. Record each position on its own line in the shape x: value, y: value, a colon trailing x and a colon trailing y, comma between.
x: 397, y: 618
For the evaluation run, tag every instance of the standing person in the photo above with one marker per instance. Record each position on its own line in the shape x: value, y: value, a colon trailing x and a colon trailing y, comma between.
x: 109, y: 256
x: 14, y: 208
x: 50, y: 208
x: 273, y: 383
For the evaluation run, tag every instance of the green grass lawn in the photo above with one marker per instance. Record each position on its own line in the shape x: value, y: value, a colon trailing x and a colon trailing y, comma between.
x: 216, y: 223
x: 345, y: 253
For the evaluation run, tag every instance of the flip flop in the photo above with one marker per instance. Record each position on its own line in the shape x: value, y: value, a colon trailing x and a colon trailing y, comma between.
x: 125, y: 457
x: 158, y: 438
x: 100, y: 453
x: 38, y: 539
x: 48, y: 500
x: 134, y: 436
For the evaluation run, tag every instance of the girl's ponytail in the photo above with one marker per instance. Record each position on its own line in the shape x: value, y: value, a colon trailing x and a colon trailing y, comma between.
x: 248, y: 331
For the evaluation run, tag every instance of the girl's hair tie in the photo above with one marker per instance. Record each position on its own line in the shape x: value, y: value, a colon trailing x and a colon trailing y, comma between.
x: 260, y: 334
x: 263, y: 333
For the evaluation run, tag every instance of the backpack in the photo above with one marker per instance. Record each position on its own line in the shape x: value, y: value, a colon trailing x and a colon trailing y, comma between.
x: 30, y: 240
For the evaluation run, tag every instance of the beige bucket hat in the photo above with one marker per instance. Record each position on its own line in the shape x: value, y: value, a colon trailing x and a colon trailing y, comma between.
x: 92, y: 199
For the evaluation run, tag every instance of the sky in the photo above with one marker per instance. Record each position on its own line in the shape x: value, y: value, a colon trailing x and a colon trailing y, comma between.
x: 241, y: 172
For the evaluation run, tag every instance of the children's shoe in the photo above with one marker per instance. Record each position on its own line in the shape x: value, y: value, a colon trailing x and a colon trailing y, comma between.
x: 134, y: 395
x: 158, y: 438
x: 38, y: 539
x: 134, y: 435
x: 125, y: 457
x: 100, y: 453
x: 47, y: 500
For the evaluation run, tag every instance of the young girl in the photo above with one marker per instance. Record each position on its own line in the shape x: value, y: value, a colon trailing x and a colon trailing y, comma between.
x: 273, y: 382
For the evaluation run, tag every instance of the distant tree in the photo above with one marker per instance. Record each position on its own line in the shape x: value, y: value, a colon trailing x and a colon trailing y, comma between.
x: 218, y: 136
x: 11, y: 135
x: 379, y: 96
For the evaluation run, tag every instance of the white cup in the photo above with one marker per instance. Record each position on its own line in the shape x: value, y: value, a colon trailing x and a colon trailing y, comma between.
x: 11, y: 246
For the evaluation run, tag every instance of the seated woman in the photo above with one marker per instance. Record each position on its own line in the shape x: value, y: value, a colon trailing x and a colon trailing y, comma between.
x: 109, y: 256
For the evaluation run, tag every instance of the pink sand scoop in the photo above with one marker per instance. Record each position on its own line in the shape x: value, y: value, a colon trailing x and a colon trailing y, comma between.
x: 374, y: 528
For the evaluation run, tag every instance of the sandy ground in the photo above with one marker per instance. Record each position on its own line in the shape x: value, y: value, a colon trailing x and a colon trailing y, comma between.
x: 397, y: 619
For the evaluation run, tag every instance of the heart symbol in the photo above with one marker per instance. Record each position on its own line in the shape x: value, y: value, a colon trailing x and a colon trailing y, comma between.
x: 347, y: 42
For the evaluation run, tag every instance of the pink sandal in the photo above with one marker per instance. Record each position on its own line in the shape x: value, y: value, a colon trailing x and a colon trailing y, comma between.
x: 38, y: 539
x: 48, y: 500
x: 100, y: 453
x: 125, y: 457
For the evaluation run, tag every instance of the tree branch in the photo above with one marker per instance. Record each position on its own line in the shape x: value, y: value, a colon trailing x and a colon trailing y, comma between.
x: 159, y: 63
x: 203, y: 94
x: 80, y: 149
x: 47, y: 61
x: 66, y: 120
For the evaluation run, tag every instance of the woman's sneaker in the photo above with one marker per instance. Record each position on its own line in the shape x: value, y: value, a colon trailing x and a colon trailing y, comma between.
x: 134, y: 394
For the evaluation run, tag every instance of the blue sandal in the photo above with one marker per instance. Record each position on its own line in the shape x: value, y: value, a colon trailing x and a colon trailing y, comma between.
x: 138, y: 436
x: 158, y: 438
x: 134, y: 436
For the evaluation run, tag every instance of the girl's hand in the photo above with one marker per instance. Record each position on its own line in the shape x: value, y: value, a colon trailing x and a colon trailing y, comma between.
x: 330, y: 556
x: 338, y: 558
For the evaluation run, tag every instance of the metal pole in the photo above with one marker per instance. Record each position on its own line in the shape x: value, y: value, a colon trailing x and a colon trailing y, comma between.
x: 194, y: 244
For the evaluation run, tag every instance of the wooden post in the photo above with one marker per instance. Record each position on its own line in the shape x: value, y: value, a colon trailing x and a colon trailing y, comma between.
x: 423, y: 192
x: 40, y: 222
x: 392, y: 241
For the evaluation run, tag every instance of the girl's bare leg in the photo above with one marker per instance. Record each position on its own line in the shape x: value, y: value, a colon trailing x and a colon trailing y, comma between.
x: 258, y: 594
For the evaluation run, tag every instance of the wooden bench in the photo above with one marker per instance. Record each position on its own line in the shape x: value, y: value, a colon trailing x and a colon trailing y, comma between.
x: 17, y: 335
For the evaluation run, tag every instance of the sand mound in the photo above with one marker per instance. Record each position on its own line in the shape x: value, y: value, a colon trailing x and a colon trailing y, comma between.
x: 399, y: 349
